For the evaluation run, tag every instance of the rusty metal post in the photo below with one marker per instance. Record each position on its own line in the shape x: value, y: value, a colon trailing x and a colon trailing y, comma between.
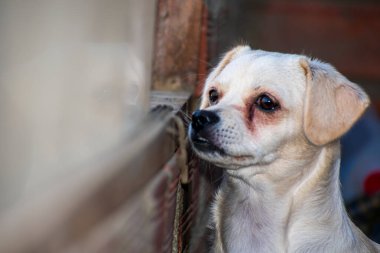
x: 176, y: 56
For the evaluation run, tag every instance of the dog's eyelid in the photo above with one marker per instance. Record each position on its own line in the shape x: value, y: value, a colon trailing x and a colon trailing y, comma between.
x: 263, y: 94
x: 267, y: 94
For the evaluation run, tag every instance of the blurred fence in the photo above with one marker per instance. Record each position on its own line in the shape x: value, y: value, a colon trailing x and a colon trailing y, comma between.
x: 83, y: 168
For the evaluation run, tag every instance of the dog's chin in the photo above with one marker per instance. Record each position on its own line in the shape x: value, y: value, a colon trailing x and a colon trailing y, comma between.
x: 219, y: 156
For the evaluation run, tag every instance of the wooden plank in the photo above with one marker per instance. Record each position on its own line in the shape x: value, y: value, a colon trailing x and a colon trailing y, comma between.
x: 176, y: 99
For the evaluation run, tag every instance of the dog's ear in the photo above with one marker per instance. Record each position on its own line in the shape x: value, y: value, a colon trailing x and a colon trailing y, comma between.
x: 226, y: 59
x: 332, y: 103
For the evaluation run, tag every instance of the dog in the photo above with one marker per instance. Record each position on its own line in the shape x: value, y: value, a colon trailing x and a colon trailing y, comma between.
x: 273, y: 121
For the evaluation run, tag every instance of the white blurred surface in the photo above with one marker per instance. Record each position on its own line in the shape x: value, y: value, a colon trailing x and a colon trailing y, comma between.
x: 74, y: 77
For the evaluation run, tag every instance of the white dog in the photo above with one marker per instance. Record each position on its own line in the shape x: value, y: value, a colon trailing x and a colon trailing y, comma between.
x: 273, y: 121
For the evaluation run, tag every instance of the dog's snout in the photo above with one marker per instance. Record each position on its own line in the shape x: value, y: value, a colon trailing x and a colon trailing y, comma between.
x: 203, y: 118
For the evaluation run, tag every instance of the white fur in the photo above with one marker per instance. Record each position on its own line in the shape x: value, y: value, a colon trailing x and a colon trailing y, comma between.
x: 281, y: 192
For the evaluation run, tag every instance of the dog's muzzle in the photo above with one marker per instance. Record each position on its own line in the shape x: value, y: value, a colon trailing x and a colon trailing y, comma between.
x: 202, y: 128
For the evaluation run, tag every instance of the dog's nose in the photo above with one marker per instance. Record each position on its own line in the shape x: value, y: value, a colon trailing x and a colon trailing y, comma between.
x: 203, y: 118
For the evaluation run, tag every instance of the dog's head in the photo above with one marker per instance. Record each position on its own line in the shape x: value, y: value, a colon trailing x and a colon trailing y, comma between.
x: 257, y: 104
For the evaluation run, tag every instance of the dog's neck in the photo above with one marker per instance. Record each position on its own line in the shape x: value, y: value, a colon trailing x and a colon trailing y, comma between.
x: 284, y: 211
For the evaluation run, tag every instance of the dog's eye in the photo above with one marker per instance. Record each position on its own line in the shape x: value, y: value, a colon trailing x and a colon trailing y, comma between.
x: 266, y: 103
x: 213, y: 96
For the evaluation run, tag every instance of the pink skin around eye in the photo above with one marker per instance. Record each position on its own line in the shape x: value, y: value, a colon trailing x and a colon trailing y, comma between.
x: 247, y: 112
x: 254, y: 118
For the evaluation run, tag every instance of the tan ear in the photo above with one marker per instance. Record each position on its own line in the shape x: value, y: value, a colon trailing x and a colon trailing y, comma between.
x: 332, y: 103
x: 226, y: 59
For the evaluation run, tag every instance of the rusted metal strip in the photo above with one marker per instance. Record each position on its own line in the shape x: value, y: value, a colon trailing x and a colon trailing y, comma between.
x: 178, y: 26
x: 203, y: 54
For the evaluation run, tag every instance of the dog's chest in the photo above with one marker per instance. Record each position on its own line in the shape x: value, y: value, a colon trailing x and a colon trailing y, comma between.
x: 245, y: 227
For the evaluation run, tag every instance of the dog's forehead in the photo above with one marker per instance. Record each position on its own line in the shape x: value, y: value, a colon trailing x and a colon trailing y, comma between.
x: 278, y: 72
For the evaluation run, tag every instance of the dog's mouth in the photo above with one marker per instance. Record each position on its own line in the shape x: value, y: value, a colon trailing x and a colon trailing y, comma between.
x: 210, y: 152
x: 205, y: 145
